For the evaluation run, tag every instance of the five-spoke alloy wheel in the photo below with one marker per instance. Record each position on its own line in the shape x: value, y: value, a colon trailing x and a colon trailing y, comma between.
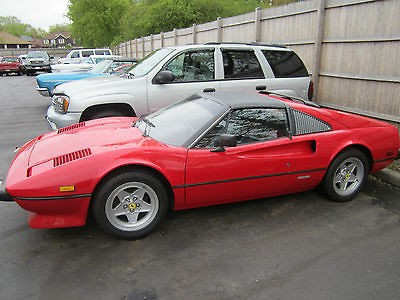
x: 131, y: 204
x: 346, y: 175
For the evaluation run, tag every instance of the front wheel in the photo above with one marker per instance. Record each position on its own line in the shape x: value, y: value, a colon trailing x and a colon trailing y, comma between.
x: 131, y: 204
x: 346, y: 176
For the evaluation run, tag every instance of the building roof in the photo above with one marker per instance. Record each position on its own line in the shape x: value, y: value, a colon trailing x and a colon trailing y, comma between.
x: 6, y: 38
x: 52, y: 36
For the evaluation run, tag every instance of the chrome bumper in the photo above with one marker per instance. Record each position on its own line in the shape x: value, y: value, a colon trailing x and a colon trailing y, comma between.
x: 43, y: 91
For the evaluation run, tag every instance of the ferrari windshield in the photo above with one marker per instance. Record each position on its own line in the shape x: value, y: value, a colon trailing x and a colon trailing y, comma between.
x: 181, y: 123
x: 149, y: 62
x: 101, y: 66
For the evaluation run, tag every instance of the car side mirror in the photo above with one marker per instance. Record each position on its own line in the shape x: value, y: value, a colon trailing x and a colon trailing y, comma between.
x: 225, y: 140
x: 164, y: 77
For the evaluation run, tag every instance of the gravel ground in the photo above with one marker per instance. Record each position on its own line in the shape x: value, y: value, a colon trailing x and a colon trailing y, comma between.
x: 395, y: 165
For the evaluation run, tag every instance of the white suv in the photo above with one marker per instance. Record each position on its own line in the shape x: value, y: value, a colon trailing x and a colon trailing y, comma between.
x: 173, y: 73
x: 79, y: 55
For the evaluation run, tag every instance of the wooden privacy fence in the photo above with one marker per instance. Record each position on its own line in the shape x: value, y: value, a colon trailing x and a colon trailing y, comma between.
x: 351, y: 47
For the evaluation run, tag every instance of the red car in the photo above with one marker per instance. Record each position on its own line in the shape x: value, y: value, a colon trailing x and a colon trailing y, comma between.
x: 10, y: 64
x: 205, y: 150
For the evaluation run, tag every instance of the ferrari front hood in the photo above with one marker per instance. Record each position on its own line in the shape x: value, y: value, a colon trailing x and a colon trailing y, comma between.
x: 88, y: 138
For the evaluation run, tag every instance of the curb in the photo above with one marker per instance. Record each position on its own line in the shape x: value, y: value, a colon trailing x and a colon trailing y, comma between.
x: 389, y: 176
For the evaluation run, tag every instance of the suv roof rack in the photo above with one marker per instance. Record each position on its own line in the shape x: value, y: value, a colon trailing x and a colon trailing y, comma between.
x: 248, y: 44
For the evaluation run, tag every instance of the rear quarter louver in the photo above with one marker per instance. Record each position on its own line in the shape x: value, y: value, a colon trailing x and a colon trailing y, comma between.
x: 306, y: 124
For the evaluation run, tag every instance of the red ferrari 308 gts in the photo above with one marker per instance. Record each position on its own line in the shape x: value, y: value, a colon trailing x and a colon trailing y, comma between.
x: 204, y: 150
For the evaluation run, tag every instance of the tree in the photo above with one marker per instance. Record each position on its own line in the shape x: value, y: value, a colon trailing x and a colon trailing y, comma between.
x: 153, y: 16
x: 60, y: 28
x: 96, y: 23
x: 15, y: 27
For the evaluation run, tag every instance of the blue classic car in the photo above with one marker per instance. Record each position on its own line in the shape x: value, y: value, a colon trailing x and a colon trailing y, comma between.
x: 47, y: 82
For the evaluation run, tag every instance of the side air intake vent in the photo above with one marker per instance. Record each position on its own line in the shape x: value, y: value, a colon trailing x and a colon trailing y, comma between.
x: 306, y: 123
x: 70, y: 128
x: 66, y: 158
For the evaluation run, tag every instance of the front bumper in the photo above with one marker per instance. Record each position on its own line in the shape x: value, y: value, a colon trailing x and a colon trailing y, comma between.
x: 38, y: 68
x: 4, y: 196
x: 56, y: 120
x: 43, y: 91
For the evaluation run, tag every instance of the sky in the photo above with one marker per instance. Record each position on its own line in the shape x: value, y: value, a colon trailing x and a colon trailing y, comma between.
x: 38, y: 13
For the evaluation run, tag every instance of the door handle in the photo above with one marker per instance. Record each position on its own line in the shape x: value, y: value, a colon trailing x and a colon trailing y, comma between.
x: 209, y: 90
x: 261, y: 87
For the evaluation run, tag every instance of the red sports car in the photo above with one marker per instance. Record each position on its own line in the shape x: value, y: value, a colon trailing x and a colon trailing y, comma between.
x: 204, y: 150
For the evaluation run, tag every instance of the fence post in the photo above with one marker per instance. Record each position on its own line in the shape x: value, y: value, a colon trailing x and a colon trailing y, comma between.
x: 136, y: 48
x: 194, y: 34
x: 131, y: 48
x: 219, y: 29
x: 175, y: 37
x: 257, y: 24
x: 143, y: 48
x: 162, y: 39
x: 318, y: 46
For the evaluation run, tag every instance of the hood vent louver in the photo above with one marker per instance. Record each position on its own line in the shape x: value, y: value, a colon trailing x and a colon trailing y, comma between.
x: 70, y: 128
x: 66, y: 158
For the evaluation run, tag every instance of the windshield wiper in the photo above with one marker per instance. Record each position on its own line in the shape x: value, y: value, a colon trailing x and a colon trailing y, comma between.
x: 148, y: 125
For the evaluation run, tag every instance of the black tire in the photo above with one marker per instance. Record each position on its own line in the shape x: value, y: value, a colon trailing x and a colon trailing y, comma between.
x: 143, y: 206
x: 346, y: 176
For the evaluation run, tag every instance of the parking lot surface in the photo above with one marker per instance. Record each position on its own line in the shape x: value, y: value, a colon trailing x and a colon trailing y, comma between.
x: 299, y: 246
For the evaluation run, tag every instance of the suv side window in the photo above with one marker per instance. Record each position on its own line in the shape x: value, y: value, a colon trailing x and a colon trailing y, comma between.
x: 249, y: 125
x: 102, y: 52
x: 241, y: 64
x: 75, y: 54
x: 87, y: 53
x: 285, y: 64
x: 192, y: 66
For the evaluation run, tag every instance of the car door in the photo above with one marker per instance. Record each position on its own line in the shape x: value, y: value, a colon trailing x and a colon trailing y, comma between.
x: 265, y: 162
x: 193, y: 70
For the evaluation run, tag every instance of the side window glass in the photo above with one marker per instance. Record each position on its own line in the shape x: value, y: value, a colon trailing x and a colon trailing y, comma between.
x: 249, y: 125
x: 241, y: 64
x: 86, y: 53
x: 285, y: 64
x: 252, y: 125
x: 102, y: 52
x: 75, y: 54
x: 192, y: 66
x: 211, y: 138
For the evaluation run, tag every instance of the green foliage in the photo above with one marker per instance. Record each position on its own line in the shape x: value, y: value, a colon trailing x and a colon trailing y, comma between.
x: 148, y: 16
x: 153, y: 16
x: 60, y: 28
x: 15, y: 27
x: 96, y: 23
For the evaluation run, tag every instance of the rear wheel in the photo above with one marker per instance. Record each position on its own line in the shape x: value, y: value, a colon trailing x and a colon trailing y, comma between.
x: 131, y: 204
x: 346, y: 175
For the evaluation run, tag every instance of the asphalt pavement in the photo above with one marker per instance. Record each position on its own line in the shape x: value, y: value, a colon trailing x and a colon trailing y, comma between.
x: 300, y: 246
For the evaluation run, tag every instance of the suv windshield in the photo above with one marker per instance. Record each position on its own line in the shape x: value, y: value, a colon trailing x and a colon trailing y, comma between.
x: 37, y: 54
x: 149, y: 62
x: 195, y: 116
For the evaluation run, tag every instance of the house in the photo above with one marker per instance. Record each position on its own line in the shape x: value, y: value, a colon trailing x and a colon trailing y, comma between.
x: 58, y: 40
x: 9, y: 41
